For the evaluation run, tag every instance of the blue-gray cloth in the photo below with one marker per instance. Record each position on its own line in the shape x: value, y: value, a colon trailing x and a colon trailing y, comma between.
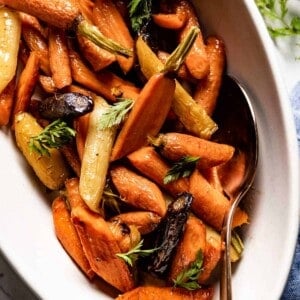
x: 292, y: 289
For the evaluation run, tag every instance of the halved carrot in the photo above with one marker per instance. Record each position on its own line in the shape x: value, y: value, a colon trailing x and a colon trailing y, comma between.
x: 110, y: 22
x: 166, y: 293
x: 6, y: 102
x: 59, y: 58
x: 207, y: 90
x: 26, y: 84
x: 81, y: 126
x: 138, y: 191
x: 83, y: 75
x: 169, y: 21
x: 47, y: 84
x: 150, y: 164
x: 175, y: 146
x: 67, y: 235
x: 31, y: 21
x: 71, y: 156
x: 153, y: 103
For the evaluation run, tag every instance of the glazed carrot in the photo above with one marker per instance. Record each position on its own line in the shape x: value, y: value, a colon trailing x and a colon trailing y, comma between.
x: 6, y: 102
x: 144, y: 221
x: 59, y: 13
x: 101, y: 248
x: 31, y: 21
x: 207, y: 90
x: 153, y: 103
x: 197, y: 60
x: 73, y: 88
x: 26, y: 84
x: 83, y: 75
x: 193, y: 241
x: 59, y: 58
x: 110, y: 22
x: 96, y: 56
x: 71, y: 157
x: 166, y: 293
x: 86, y: 9
x: 169, y: 21
x: 73, y: 196
x: 67, y: 235
x: 81, y: 126
x: 150, y: 164
x: 47, y: 84
x: 138, y: 191
x: 175, y: 146
x: 212, y: 176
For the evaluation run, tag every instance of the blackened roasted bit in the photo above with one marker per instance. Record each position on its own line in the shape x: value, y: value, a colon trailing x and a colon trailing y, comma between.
x: 67, y: 105
x: 169, y: 233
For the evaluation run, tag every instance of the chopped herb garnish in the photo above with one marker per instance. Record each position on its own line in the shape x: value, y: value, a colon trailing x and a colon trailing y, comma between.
x: 133, y: 254
x: 139, y: 13
x: 55, y: 135
x: 115, y: 114
x: 182, y: 168
x: 188, y: 278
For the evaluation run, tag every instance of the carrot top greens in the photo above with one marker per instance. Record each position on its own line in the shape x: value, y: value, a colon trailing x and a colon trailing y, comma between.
x: 140, y: 13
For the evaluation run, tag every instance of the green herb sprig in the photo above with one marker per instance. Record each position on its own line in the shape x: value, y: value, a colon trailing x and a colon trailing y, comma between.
x: 182, y: 168
x: 133, y: 254
x: 55, y: 135
x: 139, y: 13
x: 188, y: 278
x: 115, y: 114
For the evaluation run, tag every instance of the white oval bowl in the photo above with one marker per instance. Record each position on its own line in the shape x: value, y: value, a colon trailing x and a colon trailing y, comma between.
x: 27, y: 238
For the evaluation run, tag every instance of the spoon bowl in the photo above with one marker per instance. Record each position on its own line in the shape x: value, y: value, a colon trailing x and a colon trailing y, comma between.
x: 237, y: 127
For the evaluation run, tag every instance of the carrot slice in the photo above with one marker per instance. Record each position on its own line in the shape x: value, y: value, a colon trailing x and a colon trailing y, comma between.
x: 6, y: 102
x: 169, y: 21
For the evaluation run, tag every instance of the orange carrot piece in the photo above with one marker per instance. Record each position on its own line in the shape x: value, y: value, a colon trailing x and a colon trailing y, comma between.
x: 150, y: 164
x: 153, y: 103
x: 111, y: 23
x: 73, y: 88
x: 166, y: 293
x: 207, y: 90
x: 212, y: 176
x: 193, y: 241
x: 83, y: 75
x: 138, y: 191
x: 175, y: 145
x: 6, y: 102
x: 67, y: 235
x: 73, y: 196
x: 31, y: 21
x: 86, y: 9
x: 26, y: 84
x: 81, y: 126
x: 59, y: 58
x: 71, y: 156
x: 47, y: 84
x: 169, y: 21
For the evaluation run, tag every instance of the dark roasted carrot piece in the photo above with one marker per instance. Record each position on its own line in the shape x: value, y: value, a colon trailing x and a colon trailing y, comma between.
x: 6, y: 102
x: 59, y: 58
x: 26, y: 84
x: 138, y: 191
x: 110, y: 22
x: 207, y: 90
x: 81, y: 126
x: 71, y: 156
x: 150, y: 164
x: 153, y: 103
x: 67, y: 235
x: 169, y: 21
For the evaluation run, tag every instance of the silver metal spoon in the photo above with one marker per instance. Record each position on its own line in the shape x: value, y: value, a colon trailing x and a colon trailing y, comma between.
x: 237, y: 126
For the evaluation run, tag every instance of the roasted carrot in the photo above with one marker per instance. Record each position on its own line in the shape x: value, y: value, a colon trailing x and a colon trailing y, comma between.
x: 31, y: 21
x: 73, y: 88
x: 106, y: 16
x: 193, y: 241
x: 86, y: 9
x: 47, y: 84
x: 26, y: 84
x: 197, y: 59
x: 138, y: 191
x: 6, y: 102
x: 175, y: 146
x: 153, y: 103
x: 83, y: 75
x: 67, y: 235
x: 166, y: 293
x: 59, y: 58
x: 207, y: 90
x: 212, y: 176
x: 149, y: 163
x: 71, y: 156
x: 81, y: 126
x: 144, y: 221
x: 169, y: 21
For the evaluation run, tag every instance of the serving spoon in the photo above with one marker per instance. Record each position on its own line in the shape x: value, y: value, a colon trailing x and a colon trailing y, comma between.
x: 237, y: 126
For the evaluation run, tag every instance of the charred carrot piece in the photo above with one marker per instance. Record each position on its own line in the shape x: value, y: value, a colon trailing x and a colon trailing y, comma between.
x: 153, y: 103
x: 106, y: 16
x: 175, y: 145
x: 67, y: 235
x: 26, y: 84
x: 84, y: 76
x: 193, y: 241
x: 169, y: 21
x: 150, y: 164
x: 144, y: 221
x: 138, y: 191
x: 59, y: 58
x: 166, y: 293
x: 6, y: 102
x: 207, y: 90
